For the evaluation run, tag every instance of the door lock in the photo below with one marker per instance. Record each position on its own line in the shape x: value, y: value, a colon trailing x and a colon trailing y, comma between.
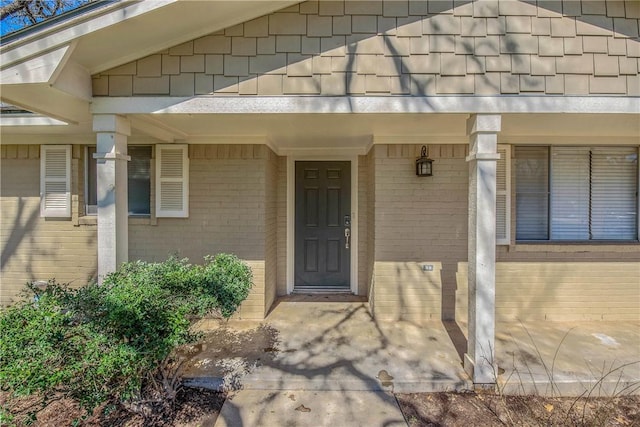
x: 347, y: 236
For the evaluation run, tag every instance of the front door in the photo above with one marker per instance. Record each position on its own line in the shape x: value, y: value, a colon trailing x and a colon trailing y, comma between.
x: 323, y: 226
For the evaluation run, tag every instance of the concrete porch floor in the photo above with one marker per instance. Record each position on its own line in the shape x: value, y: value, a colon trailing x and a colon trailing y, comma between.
x: 332, y: 343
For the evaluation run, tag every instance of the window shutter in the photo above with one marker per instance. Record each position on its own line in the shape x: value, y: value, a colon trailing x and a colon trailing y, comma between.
x: 172, y: 181
x: 532, y: 193
x: 503, y: 196
x: 55, y: 181
x: 570, y: 193
x: 614, y: 204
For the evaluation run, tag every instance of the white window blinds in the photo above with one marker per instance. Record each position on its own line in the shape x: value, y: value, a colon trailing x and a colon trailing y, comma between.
x: 592, y: 193
x: 503, y: 196
x: 55, y: 181
x: 570, y: 193
x: 172, y: 181
x: 614, y: 206
x: 532, y: 193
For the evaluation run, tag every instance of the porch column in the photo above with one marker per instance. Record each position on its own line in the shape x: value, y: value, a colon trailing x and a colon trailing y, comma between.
x: 483, y: 153
x: 113, y: 217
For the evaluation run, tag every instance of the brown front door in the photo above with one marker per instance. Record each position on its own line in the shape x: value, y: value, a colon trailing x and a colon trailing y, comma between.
x: 323, y: 221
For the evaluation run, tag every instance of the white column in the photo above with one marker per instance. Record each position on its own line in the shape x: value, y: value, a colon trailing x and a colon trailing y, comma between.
x: 483, y: 153
x: 113, y: 213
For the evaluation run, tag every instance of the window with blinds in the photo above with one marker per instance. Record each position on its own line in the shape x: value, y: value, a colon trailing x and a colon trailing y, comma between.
x: 576, y: 193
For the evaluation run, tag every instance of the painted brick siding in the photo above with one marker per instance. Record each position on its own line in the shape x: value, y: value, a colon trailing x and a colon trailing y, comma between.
x: 564, y: 288
x: 227, y: 213
x: 36, y: 248
x: 418, y: 221
x: 281, y: 285
x: 400, y: 47
x: 424, y: 221
x: 271, y: 229
x: 363, y: 225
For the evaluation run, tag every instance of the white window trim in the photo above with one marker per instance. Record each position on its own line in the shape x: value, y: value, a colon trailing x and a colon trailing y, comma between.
x: 89, y: 210
x: 165, y: 213
x: 64, y: 212
x: 506, y: 192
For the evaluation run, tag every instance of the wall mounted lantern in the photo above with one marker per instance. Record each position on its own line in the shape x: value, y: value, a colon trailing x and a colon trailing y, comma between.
x: 424, y: 165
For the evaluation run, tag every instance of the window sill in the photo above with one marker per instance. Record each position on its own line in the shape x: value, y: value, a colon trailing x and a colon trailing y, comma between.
x: 609, y: 246
x: 88, y: 220
x: 139, y: 220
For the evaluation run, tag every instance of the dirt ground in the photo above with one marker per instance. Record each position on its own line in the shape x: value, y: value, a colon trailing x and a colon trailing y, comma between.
x: 197, y: 407
x: 192, y: 408
x: 488, y: 409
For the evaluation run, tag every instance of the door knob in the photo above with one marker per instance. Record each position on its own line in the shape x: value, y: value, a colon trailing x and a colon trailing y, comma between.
x: 347, y: 235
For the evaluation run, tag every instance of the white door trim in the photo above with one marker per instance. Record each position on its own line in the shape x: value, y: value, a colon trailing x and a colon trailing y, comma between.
x: 291, y: 212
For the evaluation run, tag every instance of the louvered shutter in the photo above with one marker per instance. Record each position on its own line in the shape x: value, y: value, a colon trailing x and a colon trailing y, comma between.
x: 532, y: 193
x: 55, y: 181
x: 172, y: 181
x: 614, y: 186
x: 570, y: 193
x: 503, y: 196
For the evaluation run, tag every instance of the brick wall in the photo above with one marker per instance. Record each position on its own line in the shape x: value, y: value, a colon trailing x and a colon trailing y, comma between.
x: 418, y: 221
x: 228, y: 212
x: 564, y: 287
x: 282, y: 226
x: 400, y: 47
x: 36, y: 248
x: 271, y: 229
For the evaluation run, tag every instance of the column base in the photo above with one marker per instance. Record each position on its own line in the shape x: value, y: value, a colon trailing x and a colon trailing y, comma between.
x: 480, y: 381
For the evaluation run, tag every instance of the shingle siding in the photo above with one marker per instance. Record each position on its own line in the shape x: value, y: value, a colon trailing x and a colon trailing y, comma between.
x: 328, y: 49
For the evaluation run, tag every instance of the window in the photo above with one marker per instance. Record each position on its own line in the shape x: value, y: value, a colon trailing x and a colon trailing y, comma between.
x: 138, y: 181
x: 55, y: 181
x: 577, y: 193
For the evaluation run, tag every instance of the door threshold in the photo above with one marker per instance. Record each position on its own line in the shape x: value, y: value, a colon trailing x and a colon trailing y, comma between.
x: 321, y: 290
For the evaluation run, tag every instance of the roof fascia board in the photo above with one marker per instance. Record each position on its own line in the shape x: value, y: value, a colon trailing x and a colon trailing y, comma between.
x: 38, y: 69
x: 28, y: 120
x: 65, y: 32
x: 385, y: 104
x: 199, y: 31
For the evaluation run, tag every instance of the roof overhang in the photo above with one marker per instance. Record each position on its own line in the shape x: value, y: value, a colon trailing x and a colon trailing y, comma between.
x: 49, y: 71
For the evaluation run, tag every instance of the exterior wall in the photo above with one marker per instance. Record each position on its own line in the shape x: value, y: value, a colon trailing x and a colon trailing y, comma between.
x: 418, y: 221
x: 400, y: 47
x: 363, y: 225
x: 228, y: 212
x: 371, y: 226
x: 564, y: 287
x: 555, y: 281
x: 271, y: 230
x: 36, y: 248
x: 282, y: 226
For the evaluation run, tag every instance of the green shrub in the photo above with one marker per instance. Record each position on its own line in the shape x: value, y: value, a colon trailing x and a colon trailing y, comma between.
x: 99, y: 342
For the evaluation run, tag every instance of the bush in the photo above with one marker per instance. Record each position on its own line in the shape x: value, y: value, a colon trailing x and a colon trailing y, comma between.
x: 99, y: 342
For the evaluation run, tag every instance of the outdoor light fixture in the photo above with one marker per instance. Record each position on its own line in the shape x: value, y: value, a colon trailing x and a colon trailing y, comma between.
x: 424, y: 165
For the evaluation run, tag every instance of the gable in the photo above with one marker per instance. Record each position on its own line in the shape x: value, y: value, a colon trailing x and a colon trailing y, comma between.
x: 401, y: 48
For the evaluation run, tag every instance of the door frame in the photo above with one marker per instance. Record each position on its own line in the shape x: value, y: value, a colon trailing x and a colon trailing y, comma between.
x: 291, y: 214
